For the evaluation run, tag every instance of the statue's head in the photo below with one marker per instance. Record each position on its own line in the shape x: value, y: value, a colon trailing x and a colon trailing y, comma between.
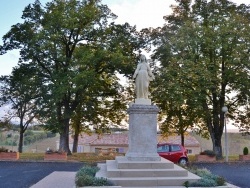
x: 143, y: 58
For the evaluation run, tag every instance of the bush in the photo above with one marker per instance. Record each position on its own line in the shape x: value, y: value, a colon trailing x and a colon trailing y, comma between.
x: 84, y: 180
x: 28, y: 133
x: 245, y: 151
x: 210, y: 153
x: 86, y: 177
x: 8, y: 142
x: 102, y: 182
x: 88, y: 170
x: 220, y: 181
x: 3, y: 149
x: 207, y: 179
x: 204, y: 183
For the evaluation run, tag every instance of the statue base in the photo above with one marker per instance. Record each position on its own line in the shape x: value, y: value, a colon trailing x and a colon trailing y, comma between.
x: 143, y: 101
x: 142, y: 133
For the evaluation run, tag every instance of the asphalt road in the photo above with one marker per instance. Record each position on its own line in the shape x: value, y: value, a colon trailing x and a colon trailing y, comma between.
x: 26, y: 174
x: 237, y: 173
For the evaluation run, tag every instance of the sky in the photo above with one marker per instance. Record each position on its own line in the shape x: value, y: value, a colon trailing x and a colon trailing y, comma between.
x: 142, y: 13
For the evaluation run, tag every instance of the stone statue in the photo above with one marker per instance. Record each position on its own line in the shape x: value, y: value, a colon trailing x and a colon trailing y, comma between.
x: 142, y: 76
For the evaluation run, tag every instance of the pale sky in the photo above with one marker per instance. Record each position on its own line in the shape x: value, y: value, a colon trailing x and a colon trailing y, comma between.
x: 142, y: 13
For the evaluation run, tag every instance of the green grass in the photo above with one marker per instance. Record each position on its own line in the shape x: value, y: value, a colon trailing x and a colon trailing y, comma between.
x: 231, y: 158
x: 93, y: 157
x: 90, y: 157
x: 81, y: 157
x: 31, y: 156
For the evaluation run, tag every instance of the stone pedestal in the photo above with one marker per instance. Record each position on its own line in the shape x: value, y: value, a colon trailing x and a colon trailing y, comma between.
x: 125, y: 173
x: 143, y: 101
x: 143, y: 133
x: 142, y: 166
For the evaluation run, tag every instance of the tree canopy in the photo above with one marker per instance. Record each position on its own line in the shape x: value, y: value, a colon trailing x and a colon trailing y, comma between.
x: 72, y: 51
x: 203, y: 50
x: 77, y: 51
x: 19, y: 90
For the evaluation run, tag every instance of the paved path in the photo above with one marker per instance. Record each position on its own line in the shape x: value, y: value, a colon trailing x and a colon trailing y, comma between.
x: 62, y: 174
x: 236, y: 173
x: 25, y: 174
x: 57, y: 180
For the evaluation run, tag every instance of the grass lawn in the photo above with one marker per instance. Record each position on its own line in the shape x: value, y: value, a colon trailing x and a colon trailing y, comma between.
x: 93, y: 157
x: 231, y: 158
x: 31, y: 156
x: 81, y: 157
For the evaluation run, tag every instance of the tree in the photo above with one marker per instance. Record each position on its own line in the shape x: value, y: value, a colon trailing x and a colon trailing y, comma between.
x: 78, y: 126
x: 242, y: 120
x: 20, y: 91
x: 6, y: 124
x: 205, y: 48
x: 78, y: 51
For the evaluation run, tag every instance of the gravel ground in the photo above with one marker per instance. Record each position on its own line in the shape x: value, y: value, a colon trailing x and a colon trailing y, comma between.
x: 26, y: 174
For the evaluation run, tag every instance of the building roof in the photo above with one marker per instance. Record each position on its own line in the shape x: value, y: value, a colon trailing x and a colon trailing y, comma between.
x: 121, y: 139
x: 189, y: 141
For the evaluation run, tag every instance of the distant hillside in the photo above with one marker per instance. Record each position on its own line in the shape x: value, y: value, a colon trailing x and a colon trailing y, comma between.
x: 236, y: 143
x: 42, y: 145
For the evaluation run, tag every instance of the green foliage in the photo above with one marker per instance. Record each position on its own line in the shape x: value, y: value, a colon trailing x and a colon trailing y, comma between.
x: 6, y: 124
x: 186, y: 184
x: 204, y: 182
x: 102, y: 182
x: 29, y: 133
x: 32, y: 137
x: 20, y: 91
x: 10, y: 142
x: 85, y: 180
x: 2, y: 137
x: 207, y: 179
x: 75, y: 57
x: 90, y: 170
x: 29, y: 137
x: 245, y: 151
x: 220, y: 181
x: 204, y: 58
x: 86, y: 177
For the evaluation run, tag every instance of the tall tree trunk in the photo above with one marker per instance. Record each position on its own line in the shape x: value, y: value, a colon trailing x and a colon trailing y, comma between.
x: 75, y: 143
x: 215, y: 135
x: 64, y: 138
x: 20, y: 144
x: 214, y: 131
x: 76, y: 135
x: 182, y: 139
x: 217, y: 146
